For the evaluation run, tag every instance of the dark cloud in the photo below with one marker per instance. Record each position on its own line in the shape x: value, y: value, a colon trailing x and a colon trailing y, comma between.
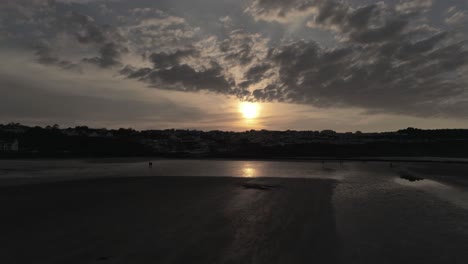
x: 387, y: 62
x: 135, y: 73
x: 257, y: 73
x: 241, y: 47
x: 409, y: 50
x: 361, y: 17
x: 413, y: 79
x: 389, y: 31
x: 193, y: 69
x: 185, y: 78
x: 109, y: 56
x: 45, y: 55
x: 372, y: 23
x: 109, y: 42
x: 169, y: 73
x: 164, y: 59
x: 368, y: 24
x: 84, y: 28
x: 335, y: 13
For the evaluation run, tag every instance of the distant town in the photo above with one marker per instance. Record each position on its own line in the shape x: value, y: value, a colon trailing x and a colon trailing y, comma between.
x: 18, y: 140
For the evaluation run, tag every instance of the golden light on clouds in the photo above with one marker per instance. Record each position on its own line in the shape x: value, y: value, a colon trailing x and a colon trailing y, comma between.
x: 249, y: 110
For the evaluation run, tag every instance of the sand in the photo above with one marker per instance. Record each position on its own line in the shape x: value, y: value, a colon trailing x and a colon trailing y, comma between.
x: 169, y: 220
x: 351, y: 213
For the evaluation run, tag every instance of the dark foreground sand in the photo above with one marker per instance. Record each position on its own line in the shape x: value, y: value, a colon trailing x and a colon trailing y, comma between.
x: 169, y: 220
x: 362, y: 218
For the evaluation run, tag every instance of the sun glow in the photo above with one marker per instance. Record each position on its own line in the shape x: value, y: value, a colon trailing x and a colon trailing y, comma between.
x: 248, y: 172
x: 249, y: 110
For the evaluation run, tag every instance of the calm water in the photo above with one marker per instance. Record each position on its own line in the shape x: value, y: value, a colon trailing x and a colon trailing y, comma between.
x: 445, y: 182
x: 64, y: 169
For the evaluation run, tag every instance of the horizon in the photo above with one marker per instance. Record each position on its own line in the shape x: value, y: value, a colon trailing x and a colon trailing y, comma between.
x: 366, y: 65
x: 226, y: 131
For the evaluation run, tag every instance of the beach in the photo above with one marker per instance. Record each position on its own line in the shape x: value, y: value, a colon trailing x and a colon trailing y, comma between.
x: 343, y: 213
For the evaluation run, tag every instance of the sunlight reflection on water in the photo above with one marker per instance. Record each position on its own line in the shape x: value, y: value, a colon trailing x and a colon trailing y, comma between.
x: 444, y: 192
x: 248, y: 172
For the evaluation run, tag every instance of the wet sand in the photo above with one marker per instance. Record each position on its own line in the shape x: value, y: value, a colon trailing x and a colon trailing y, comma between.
x: 340, y: 213
x: 169, y: 220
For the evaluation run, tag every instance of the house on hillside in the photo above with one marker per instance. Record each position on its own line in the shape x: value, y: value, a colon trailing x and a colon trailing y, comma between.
x: 9, y: 146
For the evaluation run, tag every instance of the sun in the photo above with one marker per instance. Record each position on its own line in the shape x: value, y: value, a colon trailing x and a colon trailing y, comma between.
x: 249, y: 110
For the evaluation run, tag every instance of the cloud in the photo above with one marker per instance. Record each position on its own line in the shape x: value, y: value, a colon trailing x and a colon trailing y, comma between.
x: 256, y: 74
x: 384, y: 58
x: 278, y: 10
x: 151, y: 30
x: 168, y: 72
x: 107, y: 39
x: 109, y: 56
x: 414, y: 5
x: 457, y: 17
x: 422, y: 78
x: 226, y: 21
x: 43, y: 24
x: 326, y: 12
x: 73, y: 99
x: 368, y: 24
x: 45, y: 55
x: 185, y: 78
x: 15, y: 16
x: 243, y: 48
x: 371, y: 23
x: 85, y: 28
x: 163, y: 60
x: 388, y: 62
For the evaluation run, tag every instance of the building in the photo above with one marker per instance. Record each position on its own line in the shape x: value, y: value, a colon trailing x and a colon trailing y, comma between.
x: 9, y: 146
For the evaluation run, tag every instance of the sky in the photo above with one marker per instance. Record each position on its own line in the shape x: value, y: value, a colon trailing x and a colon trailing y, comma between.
x: 235, y: 64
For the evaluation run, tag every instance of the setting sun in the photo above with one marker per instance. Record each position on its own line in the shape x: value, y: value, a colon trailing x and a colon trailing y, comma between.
x: 249, y: 110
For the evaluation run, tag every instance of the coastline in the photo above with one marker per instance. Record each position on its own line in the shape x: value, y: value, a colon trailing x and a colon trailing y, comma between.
x: 130, y: 159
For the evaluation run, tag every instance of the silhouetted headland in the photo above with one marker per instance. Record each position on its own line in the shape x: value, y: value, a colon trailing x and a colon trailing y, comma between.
x: 19, y: 141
